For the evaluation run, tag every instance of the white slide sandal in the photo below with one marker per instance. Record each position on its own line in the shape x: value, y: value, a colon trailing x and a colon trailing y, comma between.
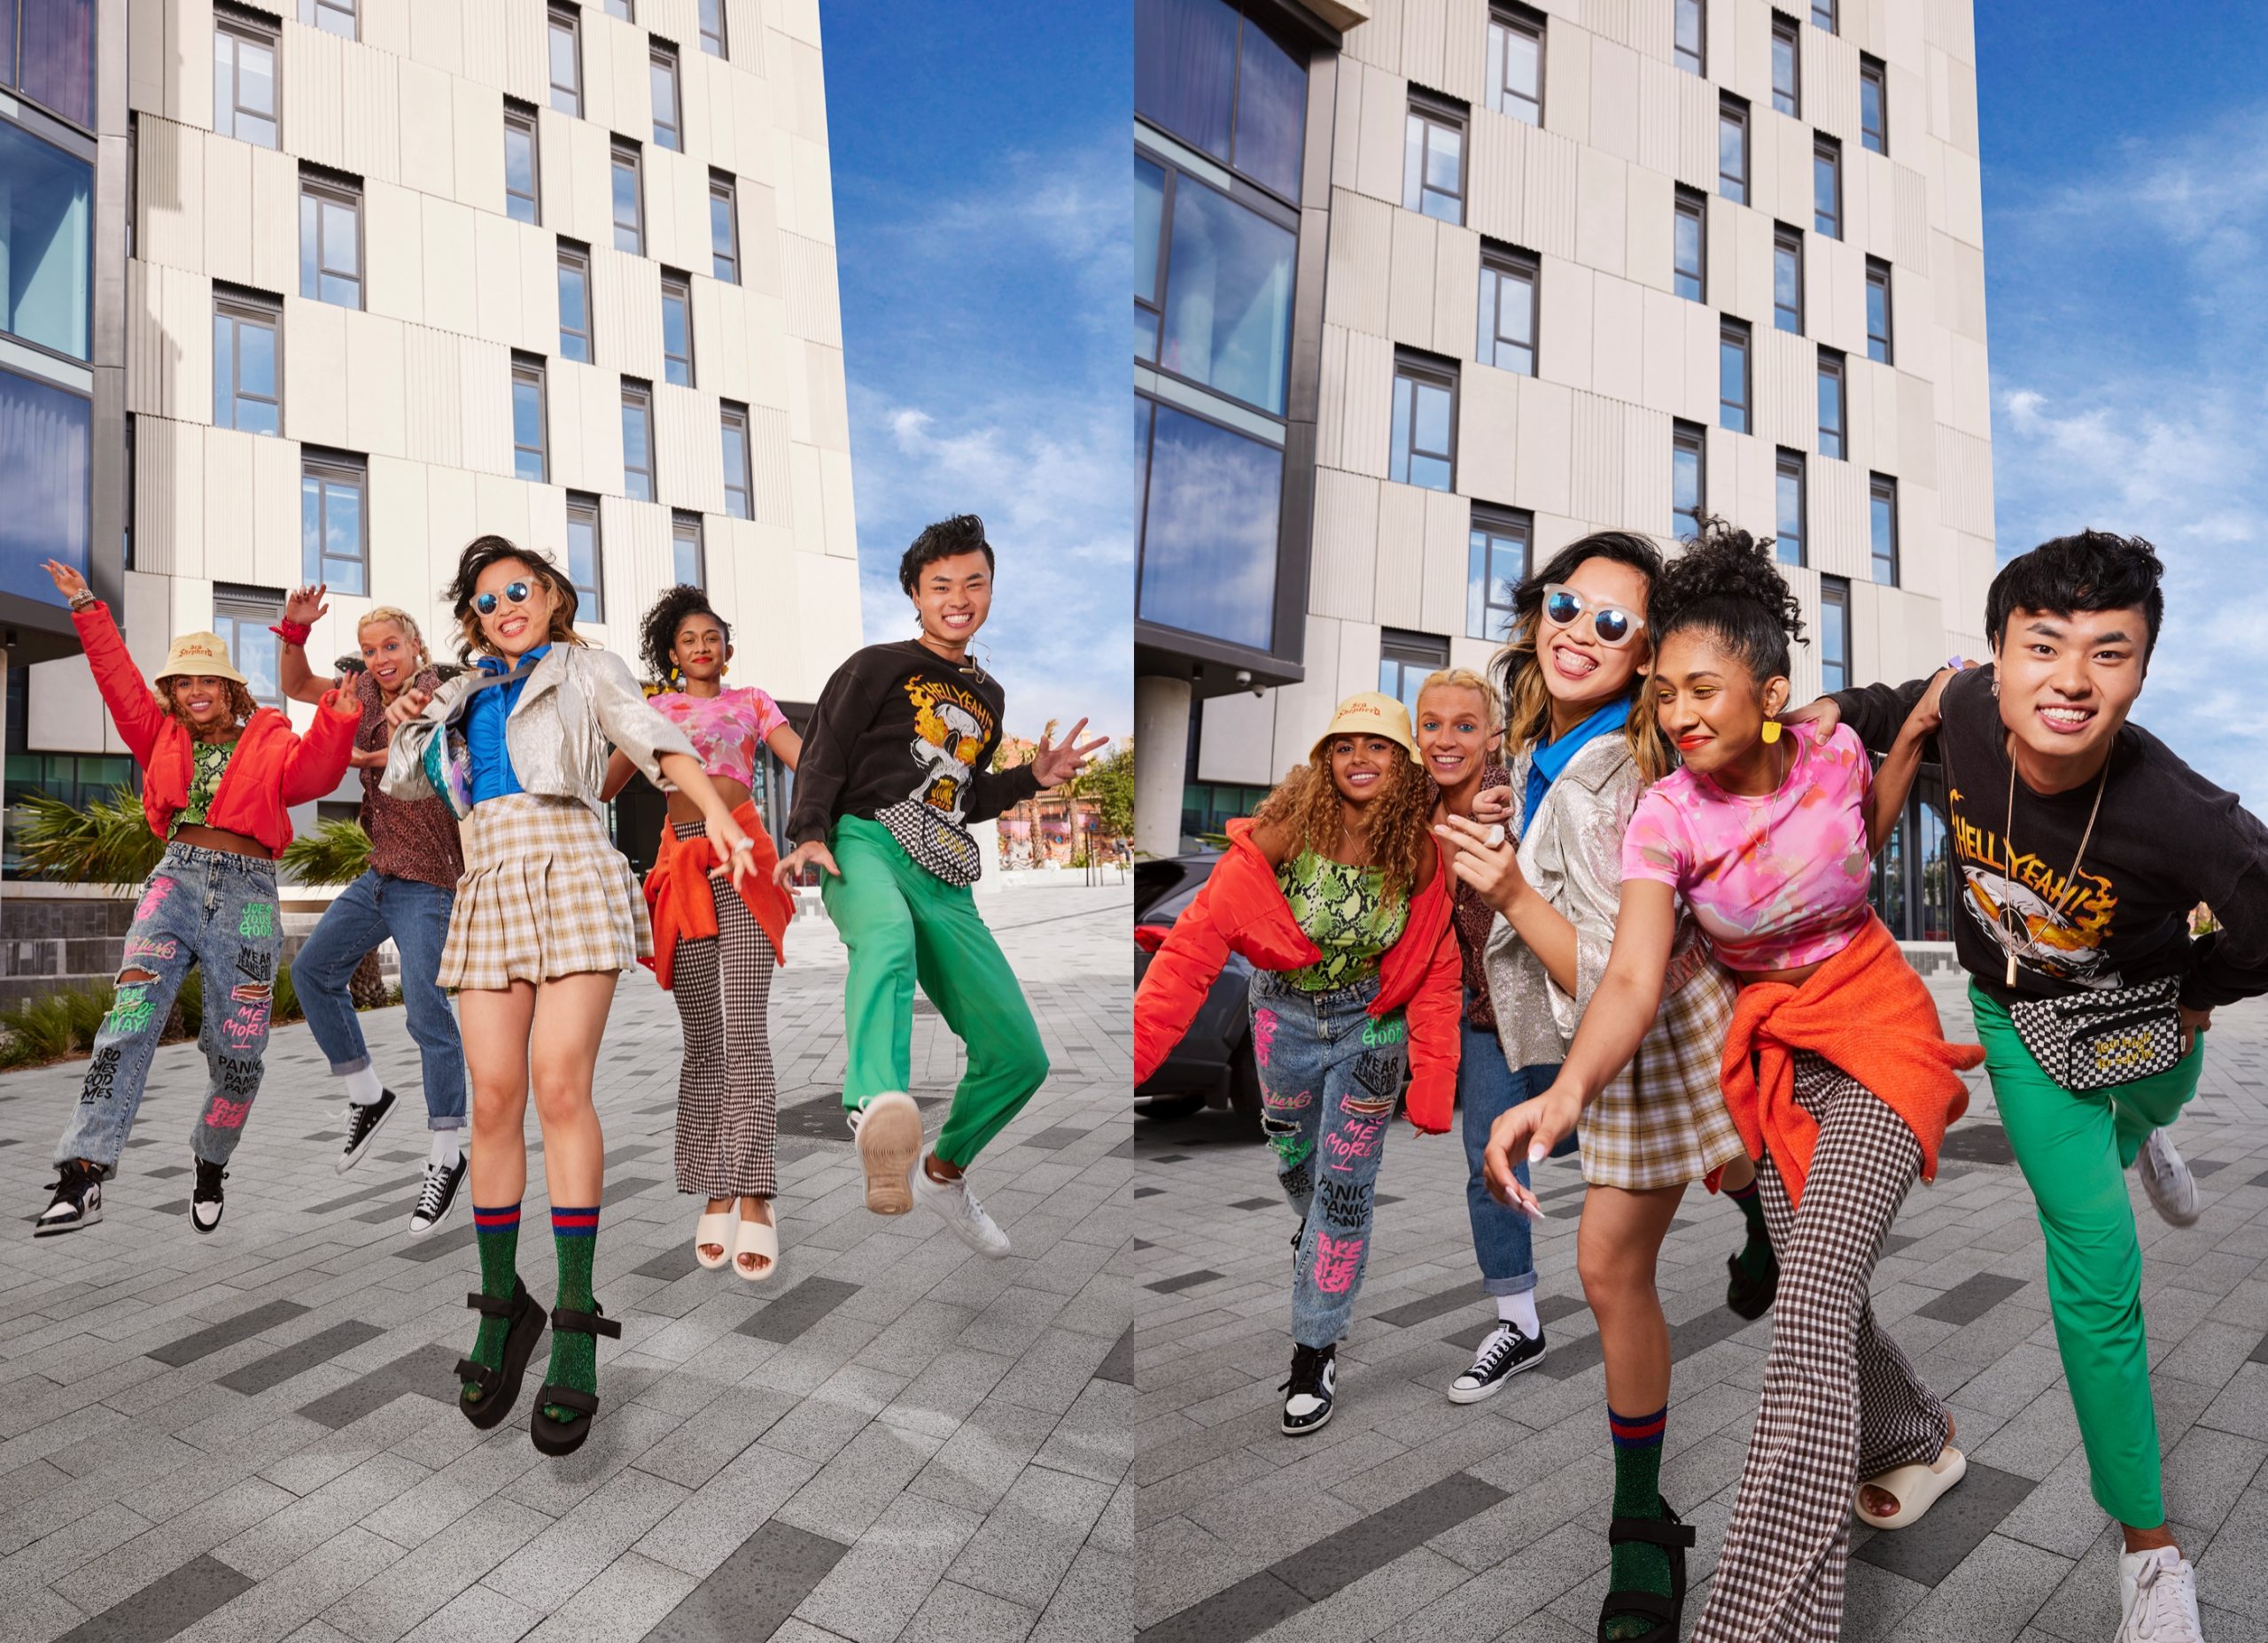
x: 761, y: 1239
x: 717, y: 1229
x: 1915, y: 1488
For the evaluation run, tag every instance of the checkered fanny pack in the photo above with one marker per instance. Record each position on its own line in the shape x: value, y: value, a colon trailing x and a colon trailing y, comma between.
x: 2095, y: 1041
x: 939, y: 845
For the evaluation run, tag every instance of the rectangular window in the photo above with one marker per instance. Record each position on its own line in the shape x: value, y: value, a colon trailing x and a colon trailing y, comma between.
x: 712, y: 27
x: 330, y: 240
x: 332, y: 15
x: 1882, y: 527
x: 1830, y: 403
x: 1822, y: 15
x: 243, y: 80
x: 661, y: 69
x: 241, y: 618
x: 566, y: 61
x: 1508, y: 280
x: 585, y: 567
x: 1878, y: 310
x: 622, y: 9
x: 1874, y: 105
x: 1688, y: 478
x: 677, y: 328
x: 1789, y: 534
x: 58, y: 70
x: 1692, y: 49
x: 1206, y: 522
x: 522, y: 158
x: 1692, y: 245
x: 46, y: 253
x: 334, y: 526
x: 739, y: 485
x: 1218, y: 288
x: 1231, y: 81
x: 1732, y: 149
x: 1787, y: 278
x: 1405, y: 659
x: 1732, y: 375
x: 629, y: 201
x: 574, y: 302
x: 529, y: 445
x: 1432, y: 160
x: 1425, y: 423
x: 637, y: 441
x: 724, y: 229
x: 1833, y: 633
x: 1787, y: 66
x: 1516, y: 64
x: 248, y: 380
x: 1496, y: 564
x: 1827, y: 186
x: 691, y: 563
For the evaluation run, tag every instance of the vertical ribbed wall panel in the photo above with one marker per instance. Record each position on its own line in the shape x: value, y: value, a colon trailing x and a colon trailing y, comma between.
x: 275, y: 520
x: 149, y: 348
x: 590, y: 172
x: 172, y: 514
x: 486, y: 33
x: 171, y: 166
x: 452, y: 301
x: 1380, y: 138
x: 720, y: 338
x: 1344, y: 569
x: 309, y: 64
x: 1410, y: 303
x: 484, y: 380
x: 1837, y: 502
x: 1424, y: 42
x: 564, y: 383
x: 1369, y: 404
x: 1912, y: 245
x: 1464, y: 67
x: 1965, y: 482
x: 1456, y: 289
x: 1378, y: 42
x: 746, y: 39
x: 1601, y: 452
x: 602, y: 398
x: 436, y: 34
x: 827, y: 397
x: 314, y: 372
x: 692, y: 208
x: 669, y: 239
x: 498, y: 289
x: 188, y: 311
x: 527, y: 49
x: 1611, y: 20
x: 1787, y: 389
x: 1549, y: 194
x: 1398, y: 580
x: 709, y: 89
x: 1359, y: 262
x: 432, y: 397
x: 370, y: 113
x: 156, y: 483
x: 1645, y: 501
x: 1660, y: 115
x: 814, y: 308
x: 393, y: 243
x: 771, y: 498
x: 1696, y: 159
x: 1831, y: 92
x: 228, y: 252
x: 638, y: 289
x: 767, y: 349
x: 1804, y: 674
x: 839, y: 506
x: 188, y: 62
x: 374, y: 384
x: 1496, y: 195
x: 1446, y: 556
x: 677, y: 481
x: 228, y: 554
x: 275, y: 221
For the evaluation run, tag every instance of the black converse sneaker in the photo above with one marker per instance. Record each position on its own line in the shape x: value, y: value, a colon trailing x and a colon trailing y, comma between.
x: 438, y: 1197
x: 1502, y: 1356
x: 204, y: 1198
x: 362, y: 1123
x: 78, y: 1200
x: 1315, y: 1370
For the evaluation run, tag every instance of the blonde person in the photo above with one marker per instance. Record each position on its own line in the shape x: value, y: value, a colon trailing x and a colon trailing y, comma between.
x: 407, y: 893
x: 218, y: 776
x: 547, y: 917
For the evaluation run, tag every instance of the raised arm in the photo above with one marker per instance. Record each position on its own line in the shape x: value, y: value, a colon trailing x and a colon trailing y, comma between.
x: 301, y: 610
x: 133, y: 705
x: 314, y: 763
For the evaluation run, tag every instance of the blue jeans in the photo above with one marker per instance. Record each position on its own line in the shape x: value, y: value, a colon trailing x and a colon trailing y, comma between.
x: 1485, y: 1088
x: 217, y: 911
x: 374, y: 906
x: 1330, y: 1072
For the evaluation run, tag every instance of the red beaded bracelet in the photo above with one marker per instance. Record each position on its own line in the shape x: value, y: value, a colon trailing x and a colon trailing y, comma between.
x: 291, y: 632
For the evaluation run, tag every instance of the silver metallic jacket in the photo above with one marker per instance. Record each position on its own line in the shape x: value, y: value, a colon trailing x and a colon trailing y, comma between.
x: 577, y: 699
x: 1573, y: 857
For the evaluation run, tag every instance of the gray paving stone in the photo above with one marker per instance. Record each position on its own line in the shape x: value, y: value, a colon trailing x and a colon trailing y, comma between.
x: 167, y: 1604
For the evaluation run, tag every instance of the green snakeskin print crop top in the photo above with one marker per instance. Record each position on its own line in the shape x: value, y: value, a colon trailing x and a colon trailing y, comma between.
x: 1343, y: 911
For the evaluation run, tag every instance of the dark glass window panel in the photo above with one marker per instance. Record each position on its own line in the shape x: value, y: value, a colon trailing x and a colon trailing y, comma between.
x: 661, y: 73
x: 1516, y: 70
x: 637, y: 451
x: 519, y: 173
x: 1432, y: 167
x: 243, y: 88
x: 1149, y: 221
x: 723, y: 243
x: 1185, y: 70
x: 256, y: 651
x: 46, y: 243
x: 1822, y: 15
x: 1495, y: 562
x: 1690, y: 251
x: 1732, y: 381
x: 1208, y: 540
x: 1881, y: 531
x: 1507, y: 310
x: 712, y: 27
x: 330, y: 532
x: 566, y: 84
x: 1830, y: 408
x: 1834, y: 633
x: 688, y: 562
x: 1878, y: 313
x: 1788, y: 285
x: 1228, y: 317
x: 574, y: 312
x: 1827, y: 191
x: 1145, y: 335
x: 1271, y: 111
x: 57, y: 68
x: 1873, y: 120
x: 1789, y: 507
x: 626, y: 235
x: 1687, y: 483
x: 1732, y: 154
x: 677, y: 336
x: 735, y: 458
x: 583, y: 559
x: 527, y: 429
x: 1783, y: 70
x: 46, y: 438
x: 7, y: 44
x: 1689, y: 50
x: 1420, y: 453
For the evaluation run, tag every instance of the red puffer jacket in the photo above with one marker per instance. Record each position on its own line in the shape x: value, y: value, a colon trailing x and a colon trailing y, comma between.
x: 272, y: 767
x: 1242, y: 910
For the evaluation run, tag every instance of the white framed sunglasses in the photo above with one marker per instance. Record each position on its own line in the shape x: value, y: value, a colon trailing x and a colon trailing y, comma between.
x: 515, y: 593
x: 1615, y: 625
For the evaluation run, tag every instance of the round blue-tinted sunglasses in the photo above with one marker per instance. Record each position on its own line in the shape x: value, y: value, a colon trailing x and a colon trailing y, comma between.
x: 515, y: 593
x: 1614, y: 625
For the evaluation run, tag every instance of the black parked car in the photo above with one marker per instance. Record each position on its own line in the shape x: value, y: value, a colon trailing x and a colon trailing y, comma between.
x: 1213, y: 1065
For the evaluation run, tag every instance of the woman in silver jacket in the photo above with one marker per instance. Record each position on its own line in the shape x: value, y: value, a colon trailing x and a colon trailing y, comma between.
x: 547, y: 915
x: 1582, y: 745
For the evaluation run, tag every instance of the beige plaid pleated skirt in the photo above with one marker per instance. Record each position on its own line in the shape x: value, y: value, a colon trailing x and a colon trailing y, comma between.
x: 544, y: 893
x: 1663, y: 1122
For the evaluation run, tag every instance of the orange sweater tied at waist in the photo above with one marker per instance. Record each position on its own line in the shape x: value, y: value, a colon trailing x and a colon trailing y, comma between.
x: 1865, y: 1012
x: 682, y: 898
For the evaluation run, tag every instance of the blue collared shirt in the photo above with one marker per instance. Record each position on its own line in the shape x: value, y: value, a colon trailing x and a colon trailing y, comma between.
x: 492, y: 776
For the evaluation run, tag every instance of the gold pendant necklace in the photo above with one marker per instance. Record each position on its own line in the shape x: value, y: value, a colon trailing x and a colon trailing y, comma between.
x: 2007, y: 938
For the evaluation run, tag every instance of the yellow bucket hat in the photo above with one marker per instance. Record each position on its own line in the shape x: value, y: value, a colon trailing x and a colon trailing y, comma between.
x: 1372, y: 713
x: 199, y: 655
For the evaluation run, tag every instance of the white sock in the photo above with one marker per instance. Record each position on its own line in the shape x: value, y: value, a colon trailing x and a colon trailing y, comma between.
x: 1519, y: 1310
x: 444, y: 1148
x: 362, y: 1086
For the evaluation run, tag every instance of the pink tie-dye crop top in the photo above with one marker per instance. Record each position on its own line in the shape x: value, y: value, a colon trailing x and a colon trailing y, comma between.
x: 1776, y: 882
x: 723, y: 728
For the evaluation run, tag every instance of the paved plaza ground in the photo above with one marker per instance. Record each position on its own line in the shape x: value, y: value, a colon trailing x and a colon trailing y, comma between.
x: 1408, y: 1517
x: 250, y: 1437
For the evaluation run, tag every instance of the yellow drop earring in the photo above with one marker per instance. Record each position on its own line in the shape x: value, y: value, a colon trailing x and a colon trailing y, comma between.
x: 1771, y: 731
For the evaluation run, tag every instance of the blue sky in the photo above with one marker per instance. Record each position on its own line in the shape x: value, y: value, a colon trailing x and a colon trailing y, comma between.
x: 981, y: 217
x: 2126, y: 272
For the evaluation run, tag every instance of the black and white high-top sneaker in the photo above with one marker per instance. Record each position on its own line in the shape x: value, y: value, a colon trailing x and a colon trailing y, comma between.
x: 362, y: 1122
x: 438, y: 1197
x: 205, y: 1197
x: 1314, y: 1372
x: 1502, y: 1356
x: 78, y: 1200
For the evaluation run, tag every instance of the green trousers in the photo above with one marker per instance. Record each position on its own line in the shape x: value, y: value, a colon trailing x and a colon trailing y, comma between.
x: 2074, y: 1147
x: 903, y: 925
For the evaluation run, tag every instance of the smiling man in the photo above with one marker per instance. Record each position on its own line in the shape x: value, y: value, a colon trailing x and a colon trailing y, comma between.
x: 2083, y: 841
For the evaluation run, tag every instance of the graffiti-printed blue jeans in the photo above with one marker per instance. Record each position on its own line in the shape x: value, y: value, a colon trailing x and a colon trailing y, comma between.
x: 217, y: 911
x: 1329, y: 1073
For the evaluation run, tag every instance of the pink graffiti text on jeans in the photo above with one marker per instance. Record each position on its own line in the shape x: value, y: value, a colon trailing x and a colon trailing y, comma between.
x: 153, y: 899
x: 245, y: 1026
x: 1351, y: 1141
x: 1337, y: 1263
x: 1263, y: 1035
x: 1285, y: 1101
x: 226, y: 1114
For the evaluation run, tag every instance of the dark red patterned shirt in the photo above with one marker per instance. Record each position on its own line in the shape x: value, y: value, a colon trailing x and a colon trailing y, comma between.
x: 1472, y: 917
x: 409, y: 839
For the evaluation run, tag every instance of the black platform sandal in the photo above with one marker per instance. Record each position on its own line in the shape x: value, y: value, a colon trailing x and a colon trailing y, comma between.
x: 558, y: 1437
x: 1667, y: 1614
x: 1752, y: 1297
x: 500, y: 1388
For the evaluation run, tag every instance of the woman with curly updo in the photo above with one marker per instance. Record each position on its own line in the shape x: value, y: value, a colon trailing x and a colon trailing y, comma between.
x: 1336, y: 894
x: 715, y: 952
x: 1836, y: 1072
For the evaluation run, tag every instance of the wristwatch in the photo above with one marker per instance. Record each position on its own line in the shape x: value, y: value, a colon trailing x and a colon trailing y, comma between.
x: 83, y: 597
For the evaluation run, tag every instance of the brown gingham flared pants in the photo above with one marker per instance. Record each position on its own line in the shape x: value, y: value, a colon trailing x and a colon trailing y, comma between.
x: 727, y: 1102
x: 1840, y: 1400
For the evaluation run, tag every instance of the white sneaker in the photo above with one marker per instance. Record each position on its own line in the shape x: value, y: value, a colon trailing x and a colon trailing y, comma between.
x: 963, y: 1214
x: 2157, y: 1598
x: 889, y: 1130
x: 2173, y: 1188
